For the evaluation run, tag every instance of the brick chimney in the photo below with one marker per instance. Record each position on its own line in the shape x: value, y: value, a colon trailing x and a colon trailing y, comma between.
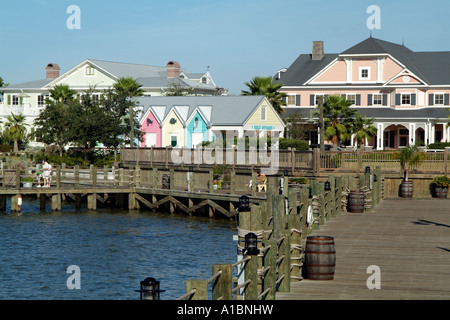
x: 172, y: 69
x: 318, y: 50
x: 52, y: 70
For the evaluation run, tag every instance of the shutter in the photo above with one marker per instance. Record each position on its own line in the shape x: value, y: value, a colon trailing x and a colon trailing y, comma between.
x: 413, y: 99
x: 446, y: 99
x: 358, y: 100
x: 8, y: 99
x: 431, y: 99
x: 297, y: 100
x: 312, y: 101
x: 284, y: 99
x: 384, y: 99
x: 397, y: 100
x: 369, y: 99
x: 20, y: 100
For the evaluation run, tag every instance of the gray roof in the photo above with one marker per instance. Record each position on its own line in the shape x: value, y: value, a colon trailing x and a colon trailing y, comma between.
x: 37, y: 84
x: 380, y: 113
x: 225, y: 111
x: 431, y: 67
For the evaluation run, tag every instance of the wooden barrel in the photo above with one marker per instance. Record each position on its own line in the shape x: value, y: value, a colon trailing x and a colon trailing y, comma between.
x: 406, y: 189
x: 355, y: 202
x: 320, y: 258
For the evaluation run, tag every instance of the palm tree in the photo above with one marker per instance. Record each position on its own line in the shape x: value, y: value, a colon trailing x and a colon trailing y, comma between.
x: 129, y: 87
x: 409, y: 157
x: 363, y: 129
x: 16, y: 129
x: 62, y: 93
x: 338, y: 118
x: 266, y: 87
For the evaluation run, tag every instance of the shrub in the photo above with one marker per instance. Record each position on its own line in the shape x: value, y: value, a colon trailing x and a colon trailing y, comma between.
x: 442, y: 181
x: 293, y: 143
x: 439, y: 145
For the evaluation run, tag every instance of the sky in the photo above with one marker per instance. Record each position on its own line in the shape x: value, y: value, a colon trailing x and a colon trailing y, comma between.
x: 236, y: 39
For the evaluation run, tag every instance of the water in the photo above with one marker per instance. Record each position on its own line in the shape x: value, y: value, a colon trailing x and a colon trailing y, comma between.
x: 114, y: 250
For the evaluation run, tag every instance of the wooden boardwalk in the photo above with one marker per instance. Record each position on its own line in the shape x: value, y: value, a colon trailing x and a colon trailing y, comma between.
x: 409, y: 240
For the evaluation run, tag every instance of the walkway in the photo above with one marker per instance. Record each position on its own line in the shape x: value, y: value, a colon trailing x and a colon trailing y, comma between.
x: 409, y: 240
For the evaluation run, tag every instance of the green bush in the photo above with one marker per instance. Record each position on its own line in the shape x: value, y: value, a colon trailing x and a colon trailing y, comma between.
x: 442, y: 181
x: 439, y: 145
x: 301, y: 145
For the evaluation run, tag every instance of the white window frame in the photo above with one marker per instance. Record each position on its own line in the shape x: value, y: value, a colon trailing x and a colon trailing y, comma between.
x: 401, y: 98
x: 381, y: 99
x: 361, y: 69
x: 291, y: 97
x: 435, y: 100
x: 15, y: 100
x: 351, y: 94
x: 43, y: 97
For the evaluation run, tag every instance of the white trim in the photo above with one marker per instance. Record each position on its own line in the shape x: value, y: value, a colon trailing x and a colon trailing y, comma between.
x: 369, y: 73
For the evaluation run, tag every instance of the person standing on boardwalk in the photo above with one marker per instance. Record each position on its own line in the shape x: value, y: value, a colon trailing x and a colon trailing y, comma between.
x: 47, y: 170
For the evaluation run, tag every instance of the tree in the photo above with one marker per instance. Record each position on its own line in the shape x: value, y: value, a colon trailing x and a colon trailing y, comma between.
x: 53, y: 123
x: 266, y: 87
x: 338, y: 118
x: 129, y: 88
x: 62, y: 93
x: 294, y: 127
x: 409, y: 157
x: 176, y: 89
x: 363, y: 129
x: 15, y: 129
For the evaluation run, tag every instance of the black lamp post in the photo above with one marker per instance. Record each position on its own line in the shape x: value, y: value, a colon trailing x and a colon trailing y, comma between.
x: 251, y: 244
x: 149, y: 289
x: 375, y: 178
x: 244, y: 203
x: 327, y: 186
x: 367, y: 169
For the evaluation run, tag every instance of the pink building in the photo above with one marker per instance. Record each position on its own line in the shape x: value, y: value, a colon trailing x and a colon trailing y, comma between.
x: 151, y: 126
x: 406, y: 92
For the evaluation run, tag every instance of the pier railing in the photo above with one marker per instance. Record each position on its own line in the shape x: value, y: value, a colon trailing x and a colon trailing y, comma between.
x: 281, y: 225
x: 294, y: 160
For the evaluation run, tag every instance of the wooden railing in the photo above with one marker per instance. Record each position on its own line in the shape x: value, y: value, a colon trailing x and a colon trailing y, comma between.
x: 281, y: 225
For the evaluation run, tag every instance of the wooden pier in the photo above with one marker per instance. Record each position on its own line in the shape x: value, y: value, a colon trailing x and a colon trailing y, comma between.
x: 409, y: 240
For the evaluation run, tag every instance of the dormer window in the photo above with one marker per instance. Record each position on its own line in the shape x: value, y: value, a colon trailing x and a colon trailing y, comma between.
x: 204, y: 80
x: 364, y: 73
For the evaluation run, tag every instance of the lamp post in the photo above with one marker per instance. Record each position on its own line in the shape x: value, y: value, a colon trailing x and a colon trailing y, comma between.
x: 149, y: 289
x: 327, y: 186
x: 251, y: 244
x: 244, y: 203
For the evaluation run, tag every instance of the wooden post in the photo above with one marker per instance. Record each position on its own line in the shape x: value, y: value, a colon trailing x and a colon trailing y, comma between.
x: 201, y: 287
x: 77, y: 175
x: 254, y: 183
x: 56, y: 202
x: 339, y: 186
x: 270, y: 259
x: 251, y: 273
x: 58, y: 177
x: 232, y: 182
x: 2, y: 202
x: 282, y: 233
x: 92, y: 201
x: 94, y: 176
x: 296, y: 236
x: 221, y: 286
x: 172, y: 178
x: 154, y: 177
x: 17, y: 177
x: 42, y: 198
x: 137, y: 177
x: 14, y: 205
x: 210, y: 181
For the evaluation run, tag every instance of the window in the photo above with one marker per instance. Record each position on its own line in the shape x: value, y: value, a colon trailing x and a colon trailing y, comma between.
x: 204, y: 80
x: 15, y: 100
x: 90, y: 71
x: 351, y: 98
x: 364, y: 73
x: 41, y: 99
x: 377, y: 99
x: 291, y: 100
x: 439, y: 99
x: 406, y: 99
x: 263, y: 113
x: 173, y: 141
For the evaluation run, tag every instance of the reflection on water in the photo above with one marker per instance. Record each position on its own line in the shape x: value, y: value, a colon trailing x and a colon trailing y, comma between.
x: 114, y: 250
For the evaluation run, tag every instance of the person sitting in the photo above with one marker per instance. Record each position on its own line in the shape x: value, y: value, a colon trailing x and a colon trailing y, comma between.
x: 262, y: 179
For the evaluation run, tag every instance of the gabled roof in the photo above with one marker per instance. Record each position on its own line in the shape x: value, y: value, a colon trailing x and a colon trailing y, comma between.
x: 37, y: 84
x: 224, y: 110
x: 431, y: 67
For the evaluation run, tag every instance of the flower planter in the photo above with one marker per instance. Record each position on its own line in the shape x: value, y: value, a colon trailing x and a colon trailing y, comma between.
x: 28, y: 184
x: 441, y: 192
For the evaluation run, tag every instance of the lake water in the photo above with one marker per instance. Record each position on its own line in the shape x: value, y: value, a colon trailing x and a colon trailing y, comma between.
x: 114, y: 250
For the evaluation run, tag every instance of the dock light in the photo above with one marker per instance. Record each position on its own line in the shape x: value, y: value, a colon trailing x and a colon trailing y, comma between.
x: 367, y: 169
x: 251, y: 242
x: 120, y: 165
x: 327, y: 186
x: 149, y: 289
x: 4, y: 160
x: 244, y: 203
x: 375, y: 178
x: 286, y: 173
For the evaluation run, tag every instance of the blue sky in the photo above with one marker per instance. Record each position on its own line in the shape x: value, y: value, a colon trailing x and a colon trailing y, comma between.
x: 238, y: 39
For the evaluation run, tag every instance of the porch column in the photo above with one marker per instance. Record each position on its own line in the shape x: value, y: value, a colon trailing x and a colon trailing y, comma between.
x: 427, y: 133
x: 445, y: 132
x: 352, y: 142
x: 380, y: 136
x: 412, y: 134
x: 432, y: 132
